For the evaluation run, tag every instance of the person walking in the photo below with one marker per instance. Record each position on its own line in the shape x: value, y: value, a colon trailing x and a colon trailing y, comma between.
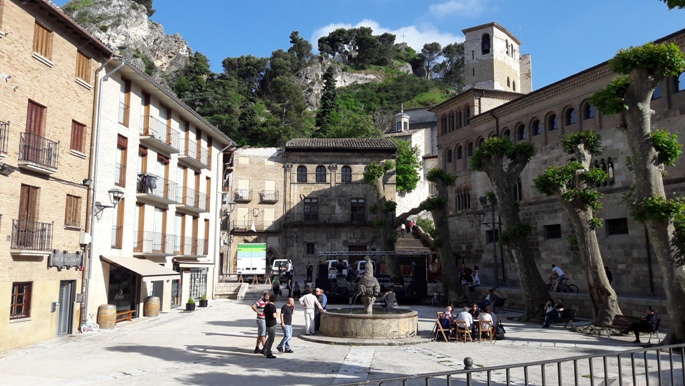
x: 402, y: 229
x: 559, y: 275
x: 270, y: 318
x: 309, y: 302
x: 287, y: 326
x: 258, y: 307
x: 310, y: 270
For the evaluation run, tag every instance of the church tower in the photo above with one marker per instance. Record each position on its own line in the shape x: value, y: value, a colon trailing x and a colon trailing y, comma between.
x: 492, y: 60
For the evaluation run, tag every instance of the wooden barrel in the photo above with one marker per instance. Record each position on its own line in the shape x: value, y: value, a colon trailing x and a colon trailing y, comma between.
x: 151, y: 307
x: 107, y: 315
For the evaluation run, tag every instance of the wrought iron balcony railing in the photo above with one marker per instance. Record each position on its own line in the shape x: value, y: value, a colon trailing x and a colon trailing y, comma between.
x: 242, y: 195
x: 4, y: 132
x: 268, y: 196
x: 39, y: 150
x: 157, y: 186
x: 191, y: 197
x: 153, y: 242
x: 359, y: 217
x: 31, y: 235
x: 159, y: 130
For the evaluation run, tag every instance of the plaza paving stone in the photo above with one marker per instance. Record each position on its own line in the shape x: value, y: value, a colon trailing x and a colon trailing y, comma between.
x: 214, y: 346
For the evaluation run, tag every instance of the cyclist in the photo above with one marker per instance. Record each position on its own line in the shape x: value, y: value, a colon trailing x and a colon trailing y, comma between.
x: 560, y: 276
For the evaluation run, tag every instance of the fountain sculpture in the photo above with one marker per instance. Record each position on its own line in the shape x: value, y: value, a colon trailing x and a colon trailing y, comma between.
x: 368, y: 287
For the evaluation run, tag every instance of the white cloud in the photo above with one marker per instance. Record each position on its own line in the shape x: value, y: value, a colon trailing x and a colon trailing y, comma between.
x: 414, y: 36
x: 450, y: 8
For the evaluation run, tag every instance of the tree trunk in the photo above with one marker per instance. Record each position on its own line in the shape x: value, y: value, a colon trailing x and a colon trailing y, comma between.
x: 451, y: 281
x: 649, y: 183
x: 602, y: 295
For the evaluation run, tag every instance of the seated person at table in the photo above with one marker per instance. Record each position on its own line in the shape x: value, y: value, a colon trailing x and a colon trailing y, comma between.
x: 489, y: 299
x: 464, y: 320
x: 447, y: 315
x: 474, y: 311
x: 553, y: 311
x: 488, y: 315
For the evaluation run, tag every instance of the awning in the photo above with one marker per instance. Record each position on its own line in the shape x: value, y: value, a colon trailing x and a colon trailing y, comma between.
x: 149, y: 270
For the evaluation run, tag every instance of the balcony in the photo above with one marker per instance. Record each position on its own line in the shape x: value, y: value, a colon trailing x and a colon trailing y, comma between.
x: 159, y: 136
x: 190, y: 246
x: 193, y: 155
x: 4, y: 133
x: 318, y: 218
x: 260, y: 225
x: 38, y: 154
x: 153, y: 244
x: 31, y: 238
x: 242, y: 195
x: 192, y: 201
x: 156, y: 190
x: 268, y: 196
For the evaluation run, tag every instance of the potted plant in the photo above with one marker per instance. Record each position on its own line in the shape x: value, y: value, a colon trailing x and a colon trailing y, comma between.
x: 203, y: 301
x: 190, y: 306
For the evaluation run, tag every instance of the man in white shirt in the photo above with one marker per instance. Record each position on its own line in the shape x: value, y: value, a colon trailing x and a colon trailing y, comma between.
x: 465, y: 320
x: 309, y: 301
x: 560, y: 276
x: 488, y: 316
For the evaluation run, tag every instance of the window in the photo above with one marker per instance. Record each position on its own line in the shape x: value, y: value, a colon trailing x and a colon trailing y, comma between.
x: 42, y: 41
x: 680, y: 82
x: 459, y: 153
x: 449, y: 156
x: 491, y: 237
x: 120, y: 157
x: 552, y: 123
x: 118, y: 225
x: 72, y: 215
x: 310, y: 248
x: 508, y: 82
x: 521, y: 132
x: 480, y: 142
x: 506, y: 46
x: 358, y: 210
x: 485, y: 44
x: 517, y: 192
x: 588, y: 111
x: 443, y: 121
x: 451, y: 122
x: 463, y: 200
x: 570, y: 116
x: 399, y: 127
x: 301, y: 174
x: 320, y: 174
x: 311, y: 209
x: 78, y: 137
x: 124, y: 101
x: 20, y: 305
x: 506, y: 133
x: 459, y: 122
x: 513, y: 85
x: 552, y: 231
x: 536, y: 128
x: 467, y: 115
x: 469, y: 149
x: 657, y: 93
x: 617, y: 226
x: 82, y: 67
x: 346, y: 175
x: 35, y: 118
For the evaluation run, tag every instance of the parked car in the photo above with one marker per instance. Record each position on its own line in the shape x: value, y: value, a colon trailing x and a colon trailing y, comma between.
x: 333, y: 268
x: 275, y: 269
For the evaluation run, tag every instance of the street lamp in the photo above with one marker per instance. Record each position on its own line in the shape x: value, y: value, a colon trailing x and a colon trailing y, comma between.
x: 494, y: 227
x: 115, y: 196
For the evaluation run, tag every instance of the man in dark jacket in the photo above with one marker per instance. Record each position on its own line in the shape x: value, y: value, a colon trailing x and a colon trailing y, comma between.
x: 647, y: 323
x: 270, y: 316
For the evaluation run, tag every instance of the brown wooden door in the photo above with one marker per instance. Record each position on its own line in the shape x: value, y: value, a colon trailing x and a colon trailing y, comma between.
x: 28, y: 214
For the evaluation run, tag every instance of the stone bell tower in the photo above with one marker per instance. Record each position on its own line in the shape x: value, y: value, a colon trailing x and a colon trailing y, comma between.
x: 492, y: 60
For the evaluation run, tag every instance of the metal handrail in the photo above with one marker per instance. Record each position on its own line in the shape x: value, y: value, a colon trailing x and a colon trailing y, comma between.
x: 157, y: 186
x: 268, y: 196
x: 159, y: 130
x: 31, y: 235
x: 191, y: 197
x: 468, y: 373
x: 37, y: 149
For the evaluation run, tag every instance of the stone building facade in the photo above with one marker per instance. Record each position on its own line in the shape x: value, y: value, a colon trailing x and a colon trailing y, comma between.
x: 47, y: 81
x: 307, y: 198
x: 542, y: 117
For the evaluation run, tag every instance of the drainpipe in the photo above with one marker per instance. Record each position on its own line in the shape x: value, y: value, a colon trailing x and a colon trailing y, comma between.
x: 217, y: 252
x: 496, y: 122
x: 480, y: 109
x: 94, y: 172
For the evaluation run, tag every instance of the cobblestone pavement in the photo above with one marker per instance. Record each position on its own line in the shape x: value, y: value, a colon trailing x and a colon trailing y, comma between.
x: 214, y: 346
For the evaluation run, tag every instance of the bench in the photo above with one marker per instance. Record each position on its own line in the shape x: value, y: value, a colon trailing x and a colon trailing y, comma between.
x: 623, y: 322
x: 124, y: 315
x: 567, y: 316
x: 498, y: 304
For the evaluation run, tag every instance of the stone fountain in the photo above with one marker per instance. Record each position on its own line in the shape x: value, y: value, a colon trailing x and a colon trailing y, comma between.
x: 364, y: 323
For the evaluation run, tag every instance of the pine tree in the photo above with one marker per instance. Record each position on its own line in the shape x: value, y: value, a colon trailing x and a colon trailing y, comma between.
x: 328, y: 105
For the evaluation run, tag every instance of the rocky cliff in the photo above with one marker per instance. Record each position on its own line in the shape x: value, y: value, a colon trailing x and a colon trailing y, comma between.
x: 124, y: 26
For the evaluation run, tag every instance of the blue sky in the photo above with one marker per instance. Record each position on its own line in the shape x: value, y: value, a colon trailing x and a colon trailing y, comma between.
x: 563, y: 37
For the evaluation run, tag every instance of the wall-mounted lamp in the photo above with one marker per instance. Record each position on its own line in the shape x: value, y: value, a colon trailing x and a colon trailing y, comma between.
x: 231, y: 206
x: 6, y: 169
x: 87, y: 182
x: 115, y: 196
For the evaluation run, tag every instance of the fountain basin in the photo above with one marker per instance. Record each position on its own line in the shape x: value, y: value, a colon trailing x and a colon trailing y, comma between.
x: 354, y: 323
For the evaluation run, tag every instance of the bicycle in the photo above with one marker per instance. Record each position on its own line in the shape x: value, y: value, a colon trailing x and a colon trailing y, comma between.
x: 89, y: 326
x: 564, y: 286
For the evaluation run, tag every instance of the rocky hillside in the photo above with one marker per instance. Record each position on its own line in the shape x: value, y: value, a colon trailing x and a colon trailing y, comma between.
x: 124, y: 26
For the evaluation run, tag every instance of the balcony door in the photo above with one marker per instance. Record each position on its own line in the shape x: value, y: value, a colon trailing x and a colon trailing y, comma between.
x: 178, y: 234
x: 158, y: 230
x: 27, y: 237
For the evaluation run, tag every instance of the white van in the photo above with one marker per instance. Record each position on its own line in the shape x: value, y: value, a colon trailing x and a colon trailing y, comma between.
x: 333, y: 268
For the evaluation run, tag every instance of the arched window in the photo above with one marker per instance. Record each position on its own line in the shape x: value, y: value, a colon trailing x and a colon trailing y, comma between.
x: 485, y: 44
x: 680, y: 82
x: 512, y: 50
x: 508, y: 82
x: 657, y: 92
x: 570, y: 116
x: 346, y: 174
x: 460, y: 152
x: 518, y: 192
x: 506, y: 133
x: 320, y: 174
x: 506, y: 44
x: 588, y: 110
x: 449, y: 156
x: 459, y: 120
x: 469, y: 149
x: 480, y: 142
x: 467, y: 114
x: 452, y: 121
x: 301, y: 173
x: 536, y: 127
x: 444, y: 124
x: 513, y: 84
x: 552, y: 122
x: 521, y: 132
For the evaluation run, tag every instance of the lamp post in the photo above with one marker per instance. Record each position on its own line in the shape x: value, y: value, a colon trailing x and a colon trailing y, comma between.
x: 494, y: 227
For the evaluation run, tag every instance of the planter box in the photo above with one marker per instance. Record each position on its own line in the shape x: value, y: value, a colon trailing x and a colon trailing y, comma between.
x: 190, y: 306
x: 203, y: 303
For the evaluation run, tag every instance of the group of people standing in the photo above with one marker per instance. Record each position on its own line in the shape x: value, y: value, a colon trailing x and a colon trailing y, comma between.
x: 268, y: 318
